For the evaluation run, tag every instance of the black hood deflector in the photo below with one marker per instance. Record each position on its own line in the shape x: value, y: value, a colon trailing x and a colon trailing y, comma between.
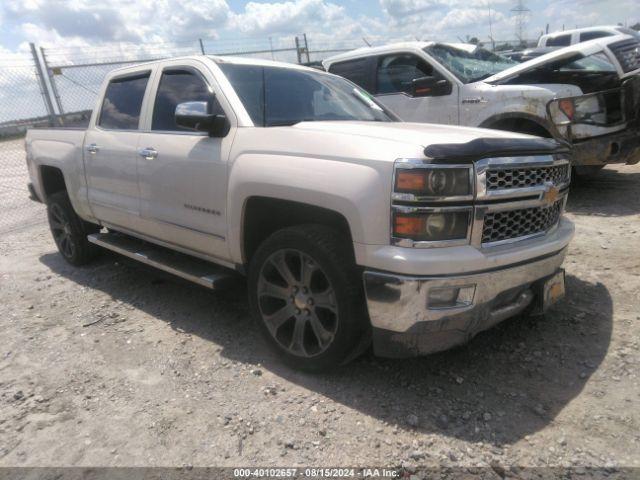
x: 494, y: 147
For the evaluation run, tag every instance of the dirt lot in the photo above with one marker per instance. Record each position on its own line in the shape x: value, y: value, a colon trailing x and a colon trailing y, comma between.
x: 115, y: 364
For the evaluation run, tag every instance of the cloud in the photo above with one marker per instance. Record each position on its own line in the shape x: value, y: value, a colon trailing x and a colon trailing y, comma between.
x: 75, y: 19
x: 401, y: 9
x: 287, y: 17
x: 194, y: 18
x: 466, y: 17
x: 120, y: 20
x: 327, y: 22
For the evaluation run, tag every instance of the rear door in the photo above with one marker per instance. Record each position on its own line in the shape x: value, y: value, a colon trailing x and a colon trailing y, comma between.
x: 394, y: 76
x: 110, y: 150
x: 183, y: 185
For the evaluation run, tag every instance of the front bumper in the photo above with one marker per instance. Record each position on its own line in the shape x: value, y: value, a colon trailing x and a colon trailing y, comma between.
x: 404, y: 325
x: 619, y: 147
x: 32, y: 193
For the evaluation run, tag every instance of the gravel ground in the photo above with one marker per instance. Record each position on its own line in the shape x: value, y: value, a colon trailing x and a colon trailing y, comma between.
x: 119, y: 365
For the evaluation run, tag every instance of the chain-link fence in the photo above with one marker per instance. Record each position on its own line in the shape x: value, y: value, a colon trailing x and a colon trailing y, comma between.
x: 23, y: 105
x: 58, y: 87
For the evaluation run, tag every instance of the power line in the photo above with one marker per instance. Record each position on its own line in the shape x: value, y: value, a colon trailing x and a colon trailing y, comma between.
x: 521, y: 13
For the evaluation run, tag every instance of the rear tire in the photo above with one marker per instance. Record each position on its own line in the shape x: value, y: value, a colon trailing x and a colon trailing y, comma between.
x: 306, y: 295
x: 70, y: 231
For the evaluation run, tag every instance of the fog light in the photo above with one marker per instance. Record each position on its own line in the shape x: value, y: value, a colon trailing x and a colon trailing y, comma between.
x: 451, y: 297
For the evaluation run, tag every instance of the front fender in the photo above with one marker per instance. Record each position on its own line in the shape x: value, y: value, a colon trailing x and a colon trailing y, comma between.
x: 542, y: 121
x: 360, y: 192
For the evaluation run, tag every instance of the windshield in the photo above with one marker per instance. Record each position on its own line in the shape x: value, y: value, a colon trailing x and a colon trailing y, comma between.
x: 469, y: 65
x: 597, y: 62
x: 629, y: 31
x: 276, y: 96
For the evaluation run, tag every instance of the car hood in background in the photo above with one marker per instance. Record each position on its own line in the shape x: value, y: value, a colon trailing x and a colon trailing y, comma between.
x: 584, y: 48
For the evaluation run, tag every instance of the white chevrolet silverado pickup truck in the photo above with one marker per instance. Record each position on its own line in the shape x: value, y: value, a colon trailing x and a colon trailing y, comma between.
x: 352, y: 227
x: 587, y: 94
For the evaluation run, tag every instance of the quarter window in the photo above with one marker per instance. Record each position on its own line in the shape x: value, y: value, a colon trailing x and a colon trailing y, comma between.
x: 396, y: 73
x: 122, y: 102
x: 593, y: 35
x: 559, y: 41
x: 179, y: 86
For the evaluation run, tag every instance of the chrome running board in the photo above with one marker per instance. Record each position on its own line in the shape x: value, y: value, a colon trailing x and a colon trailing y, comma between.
x: 190, y: 268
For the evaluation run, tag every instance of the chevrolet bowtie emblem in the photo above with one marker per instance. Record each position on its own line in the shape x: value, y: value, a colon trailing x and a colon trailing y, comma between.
x: 550, y: 194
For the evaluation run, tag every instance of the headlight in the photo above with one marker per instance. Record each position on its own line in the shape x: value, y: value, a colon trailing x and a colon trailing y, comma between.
x: 587, y: 109
x: 434, y: 182
x: 432, y: 226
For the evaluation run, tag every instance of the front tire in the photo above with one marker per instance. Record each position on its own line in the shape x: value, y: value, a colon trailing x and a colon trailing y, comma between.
x: 70, y: 231
x: 307, y: 297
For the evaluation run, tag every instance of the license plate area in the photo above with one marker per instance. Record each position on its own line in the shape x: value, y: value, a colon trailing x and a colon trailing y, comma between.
x: 553, y: 290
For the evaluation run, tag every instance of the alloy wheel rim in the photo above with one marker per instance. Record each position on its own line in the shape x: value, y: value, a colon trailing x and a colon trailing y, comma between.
x: 297, y: 303
x: 61, y: 229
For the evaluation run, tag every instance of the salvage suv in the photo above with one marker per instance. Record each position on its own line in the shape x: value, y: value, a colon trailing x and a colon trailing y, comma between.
x: 352, y: 227
x: 587, y: 94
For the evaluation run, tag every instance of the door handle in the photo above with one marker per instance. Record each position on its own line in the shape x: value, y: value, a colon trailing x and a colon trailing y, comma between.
x: 93, y: 148
x: 148, y: 153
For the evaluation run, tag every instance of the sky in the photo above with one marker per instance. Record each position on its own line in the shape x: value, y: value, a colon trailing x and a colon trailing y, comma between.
x: 84, y: 23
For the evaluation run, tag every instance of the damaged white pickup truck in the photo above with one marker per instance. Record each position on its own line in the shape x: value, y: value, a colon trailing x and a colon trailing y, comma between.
x: 351, y: 226
x: 587, y: 94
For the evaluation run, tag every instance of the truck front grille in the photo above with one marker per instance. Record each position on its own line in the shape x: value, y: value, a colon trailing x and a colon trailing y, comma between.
x: 628, y: 54
x: 511, y: 224
x: 510, y: 178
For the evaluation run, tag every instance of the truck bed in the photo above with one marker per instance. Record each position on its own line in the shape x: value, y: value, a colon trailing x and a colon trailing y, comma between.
x: 58, y: 148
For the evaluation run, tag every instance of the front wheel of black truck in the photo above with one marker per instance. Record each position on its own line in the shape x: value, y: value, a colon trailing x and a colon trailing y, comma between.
x: 307, y: 297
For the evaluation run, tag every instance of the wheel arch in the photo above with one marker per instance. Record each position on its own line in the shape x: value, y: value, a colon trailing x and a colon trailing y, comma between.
x: 262, y: 216
x: 51, y: 180
x: 532, y: 124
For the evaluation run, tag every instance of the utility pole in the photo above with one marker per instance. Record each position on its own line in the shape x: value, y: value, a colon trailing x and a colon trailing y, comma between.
x: 298, y: 50
x: 493, y: 44
x: 43, y: 85
x: 306, y: 47
x: 52, y: 81
x: 521, y: 12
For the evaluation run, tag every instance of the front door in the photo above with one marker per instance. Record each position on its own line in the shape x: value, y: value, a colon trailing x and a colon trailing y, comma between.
x: 182, y: 174
x: 110, y: 151
x: 395, y: 74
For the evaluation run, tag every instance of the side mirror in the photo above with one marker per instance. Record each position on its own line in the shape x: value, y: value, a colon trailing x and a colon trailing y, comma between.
x: 430, y: 87
x: 196, y: 116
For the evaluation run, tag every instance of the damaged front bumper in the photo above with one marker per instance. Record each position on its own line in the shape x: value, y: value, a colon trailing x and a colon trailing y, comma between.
x: 405, y: 322
x: 620, y: 147
x: 612, y: 135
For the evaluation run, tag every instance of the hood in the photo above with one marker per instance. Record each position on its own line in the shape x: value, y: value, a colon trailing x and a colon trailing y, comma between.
x: 584, y: 48
x: 419, y: 134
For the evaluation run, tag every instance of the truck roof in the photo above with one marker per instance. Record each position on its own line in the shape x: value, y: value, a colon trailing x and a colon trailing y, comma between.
x: 416, y: 45
x: 216, y: 59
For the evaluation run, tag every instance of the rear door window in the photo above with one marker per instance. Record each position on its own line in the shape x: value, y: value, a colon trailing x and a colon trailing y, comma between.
x: 122, y: 102
x: 357, y: 71
x: 179, y: 86
x: 559, y: 41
